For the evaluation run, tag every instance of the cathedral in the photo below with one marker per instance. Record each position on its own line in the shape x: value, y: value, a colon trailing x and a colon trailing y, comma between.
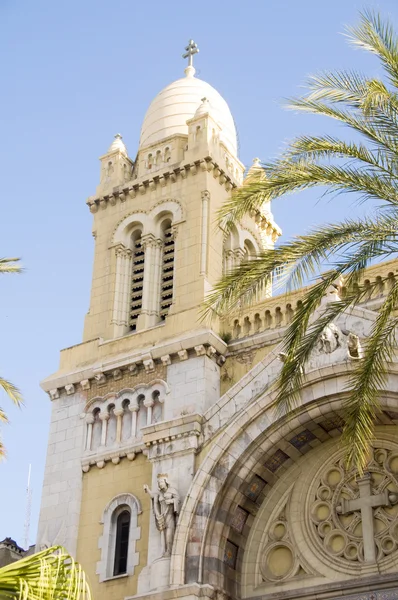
x: 168, y: 472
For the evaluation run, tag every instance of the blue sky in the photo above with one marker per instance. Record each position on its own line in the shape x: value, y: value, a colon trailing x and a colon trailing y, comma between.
x: 72, y: 75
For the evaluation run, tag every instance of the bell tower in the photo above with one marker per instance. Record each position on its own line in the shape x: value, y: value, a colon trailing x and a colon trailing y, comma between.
x: 129, y: 401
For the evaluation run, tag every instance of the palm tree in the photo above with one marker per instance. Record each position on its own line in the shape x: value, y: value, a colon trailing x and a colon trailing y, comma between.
x: 48, y: 575
x: 367, y: 168
x: 9, y: 265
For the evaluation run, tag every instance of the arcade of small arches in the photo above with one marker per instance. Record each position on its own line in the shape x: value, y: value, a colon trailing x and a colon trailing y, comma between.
x: 145, y: 248
x: 262, y: 319
x: 117, y: 419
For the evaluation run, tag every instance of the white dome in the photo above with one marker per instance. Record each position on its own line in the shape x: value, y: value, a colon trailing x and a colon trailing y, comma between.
x: 169, y: 112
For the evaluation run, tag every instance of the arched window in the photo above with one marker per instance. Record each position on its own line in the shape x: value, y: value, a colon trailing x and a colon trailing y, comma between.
x: 119, y: 536
x: 138, y: 260
x: 122, y: 542
x: 167, y: 280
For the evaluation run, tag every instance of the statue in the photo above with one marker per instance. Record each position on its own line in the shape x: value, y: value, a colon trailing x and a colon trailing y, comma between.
x: 330, y: 339
x: 166, y: 507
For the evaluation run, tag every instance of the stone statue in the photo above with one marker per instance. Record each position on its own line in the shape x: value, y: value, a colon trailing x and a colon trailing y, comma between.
x: 166, y: 507
x: 354, y: 346
x: 330, y: 339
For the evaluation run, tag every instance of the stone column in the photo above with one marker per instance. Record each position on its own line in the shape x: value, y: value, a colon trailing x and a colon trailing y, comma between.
x: 89, y: 422
x: 104, y: 417
x: 205, y: 228
x: 134, y: 407
x: 157, y: 279
x: 121, y: 303
x: 119, y: 415
x: 148, y: 403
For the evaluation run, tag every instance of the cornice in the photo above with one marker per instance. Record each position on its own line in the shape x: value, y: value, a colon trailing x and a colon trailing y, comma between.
x: 202, y: 343
x: 122, y: 193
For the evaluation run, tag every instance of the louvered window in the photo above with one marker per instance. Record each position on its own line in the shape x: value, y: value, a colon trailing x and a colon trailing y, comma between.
x: 137, y: 282
x: 166, y: 293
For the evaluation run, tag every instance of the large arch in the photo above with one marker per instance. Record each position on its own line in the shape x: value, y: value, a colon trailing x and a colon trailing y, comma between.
x: 255, y: 444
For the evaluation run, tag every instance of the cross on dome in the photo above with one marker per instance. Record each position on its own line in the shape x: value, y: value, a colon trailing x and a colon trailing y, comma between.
x: 191, y: 49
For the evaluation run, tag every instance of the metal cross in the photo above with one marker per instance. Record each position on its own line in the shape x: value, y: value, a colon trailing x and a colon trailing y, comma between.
x: 365, y: 503
x: 191, y: 49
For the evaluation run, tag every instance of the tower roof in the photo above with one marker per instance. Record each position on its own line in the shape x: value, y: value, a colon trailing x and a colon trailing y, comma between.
x: 178, y: 102
x: 118, y: 144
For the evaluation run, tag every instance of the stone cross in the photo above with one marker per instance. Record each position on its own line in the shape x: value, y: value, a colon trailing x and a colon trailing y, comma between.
x: 365, y: 503
x: 191, y: 49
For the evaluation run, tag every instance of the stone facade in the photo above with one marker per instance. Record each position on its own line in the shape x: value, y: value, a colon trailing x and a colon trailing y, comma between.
x: 167, y: 423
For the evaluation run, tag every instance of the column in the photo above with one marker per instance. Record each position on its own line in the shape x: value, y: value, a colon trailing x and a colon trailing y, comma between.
x: 157, y: 278
x: 119, y: 415
x: 148, y: 403
x: 89, y: 422
x: 127, y: 282
x: 116, y: 300
x: 147, y: 244
x: 134, y: 407
x: 205, y: 228
x: 104, y: 417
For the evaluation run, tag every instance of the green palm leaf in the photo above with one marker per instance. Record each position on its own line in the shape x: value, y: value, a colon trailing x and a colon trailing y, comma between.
x: 48, y: 575
x: 367, y: 168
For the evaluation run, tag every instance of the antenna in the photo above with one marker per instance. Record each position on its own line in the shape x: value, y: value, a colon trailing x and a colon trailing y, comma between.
x: 28, y: 511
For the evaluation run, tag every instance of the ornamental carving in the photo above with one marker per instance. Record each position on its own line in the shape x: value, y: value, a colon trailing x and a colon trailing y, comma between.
x: 279, y: 561
x: 355, y: 519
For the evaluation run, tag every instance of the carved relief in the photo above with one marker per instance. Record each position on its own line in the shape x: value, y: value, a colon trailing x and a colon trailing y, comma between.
x: 280, y: 561
x: 356, y: 519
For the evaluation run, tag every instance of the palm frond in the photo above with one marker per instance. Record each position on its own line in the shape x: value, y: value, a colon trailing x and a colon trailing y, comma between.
x: 48, y: 575
x: 12, y: 391
x: 378, y: 37
x: 362, y: 405
x: 8, y: 265
x: 301, y: 258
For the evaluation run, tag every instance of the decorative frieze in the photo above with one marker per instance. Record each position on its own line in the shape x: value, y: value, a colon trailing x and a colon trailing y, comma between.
x: 182, y: 172
x: 145, y: 363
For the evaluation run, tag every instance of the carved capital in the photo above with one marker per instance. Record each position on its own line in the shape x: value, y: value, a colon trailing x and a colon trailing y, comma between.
x: 150, y: 241
x: 104, y: 416
x: 205, y: 195
x: 89, y: 419
x: 134, y: 406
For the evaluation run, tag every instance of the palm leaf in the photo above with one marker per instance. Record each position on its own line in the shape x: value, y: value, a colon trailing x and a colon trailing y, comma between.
x: 8, y: 265
x: 368, y: 168
x: 48, y: 575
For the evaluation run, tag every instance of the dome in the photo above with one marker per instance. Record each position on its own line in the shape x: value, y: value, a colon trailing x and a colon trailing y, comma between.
x: 169, y: 112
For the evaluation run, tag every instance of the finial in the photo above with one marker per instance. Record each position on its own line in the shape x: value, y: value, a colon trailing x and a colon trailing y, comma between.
x: 256, y: 162
x: 118, y: 144
x: 191, y: 49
